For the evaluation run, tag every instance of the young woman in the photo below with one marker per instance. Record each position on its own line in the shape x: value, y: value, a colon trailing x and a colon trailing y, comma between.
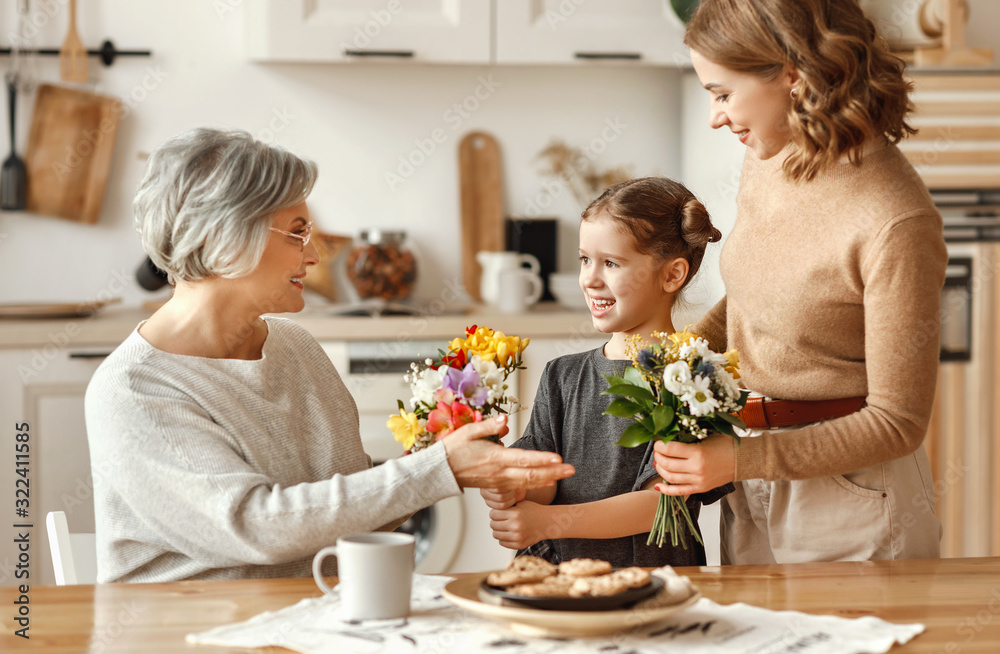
x: 641, y: 242
x: 231, y: 441
x: 833, y: 274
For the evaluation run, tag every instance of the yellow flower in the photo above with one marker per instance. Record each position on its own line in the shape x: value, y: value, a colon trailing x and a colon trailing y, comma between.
x: 482, y: 343
x: 457, y: 345
x: 405, y: 428
x: 509, y: 347
x: 734, y: 363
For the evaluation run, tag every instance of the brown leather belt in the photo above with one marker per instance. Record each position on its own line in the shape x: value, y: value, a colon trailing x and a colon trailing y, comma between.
x: 760, y: 413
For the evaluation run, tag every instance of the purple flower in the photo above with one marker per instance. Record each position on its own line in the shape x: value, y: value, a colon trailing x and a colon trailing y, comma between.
x: 465, y: 384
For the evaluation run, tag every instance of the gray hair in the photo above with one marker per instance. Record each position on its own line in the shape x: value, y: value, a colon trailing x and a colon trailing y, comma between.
x: 205, y: 204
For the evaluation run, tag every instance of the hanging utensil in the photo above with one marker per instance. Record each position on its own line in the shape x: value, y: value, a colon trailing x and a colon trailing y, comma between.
x: 13, y: 176
x: 73, y: 56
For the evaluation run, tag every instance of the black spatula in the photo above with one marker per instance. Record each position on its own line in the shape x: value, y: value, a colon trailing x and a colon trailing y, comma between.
x: 13, y: 177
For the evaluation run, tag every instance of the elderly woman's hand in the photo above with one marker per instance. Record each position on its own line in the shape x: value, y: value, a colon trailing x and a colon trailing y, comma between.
x: 480, y: 463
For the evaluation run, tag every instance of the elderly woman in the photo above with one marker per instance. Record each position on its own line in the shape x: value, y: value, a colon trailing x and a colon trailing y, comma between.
x: 232, y: 442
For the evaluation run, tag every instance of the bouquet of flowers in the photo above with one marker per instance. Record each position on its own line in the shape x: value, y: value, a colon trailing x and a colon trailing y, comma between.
x: 461, y: 386
x: 677, y: 389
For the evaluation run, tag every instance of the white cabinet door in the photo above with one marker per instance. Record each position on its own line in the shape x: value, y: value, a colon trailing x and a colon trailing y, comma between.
x: 44, y: 388
x: 584, y: 31
x: 438, y: 31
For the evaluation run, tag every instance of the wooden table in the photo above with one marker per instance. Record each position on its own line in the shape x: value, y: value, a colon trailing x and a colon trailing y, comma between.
x: 957, y: 599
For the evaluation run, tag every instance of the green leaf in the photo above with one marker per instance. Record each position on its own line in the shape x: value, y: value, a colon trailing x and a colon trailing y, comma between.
x: 663, y: 417
x: 640, y: 393
x: 400, y: 404
x: 613, y: 380
x: 731, y: 419
x: 635, y: 435
x: 623, y: 408
x: 633, y: 376
x: 724, y: 428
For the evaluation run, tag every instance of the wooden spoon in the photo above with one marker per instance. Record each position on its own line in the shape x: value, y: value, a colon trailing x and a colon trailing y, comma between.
x: 73, y: 56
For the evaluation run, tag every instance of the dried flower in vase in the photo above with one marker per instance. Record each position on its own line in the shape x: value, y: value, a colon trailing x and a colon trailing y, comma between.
x: 576, y: 167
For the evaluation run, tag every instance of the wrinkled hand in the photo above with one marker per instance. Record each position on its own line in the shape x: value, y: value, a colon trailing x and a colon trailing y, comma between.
x: 520, y: 526
x: 480, y: 463
x: 500, y: 500
x: 695, y: 467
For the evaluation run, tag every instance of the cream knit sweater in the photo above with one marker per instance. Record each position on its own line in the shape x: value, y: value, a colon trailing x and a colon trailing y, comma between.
x: 223, y: 468
x: 833, y: 290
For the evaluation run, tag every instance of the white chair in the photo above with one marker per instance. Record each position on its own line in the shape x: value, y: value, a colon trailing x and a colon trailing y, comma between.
x: 74, y: 556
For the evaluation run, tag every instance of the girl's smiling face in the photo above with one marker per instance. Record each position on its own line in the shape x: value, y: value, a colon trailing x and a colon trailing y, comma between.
x: 627, y: 291
x: 755, y: 110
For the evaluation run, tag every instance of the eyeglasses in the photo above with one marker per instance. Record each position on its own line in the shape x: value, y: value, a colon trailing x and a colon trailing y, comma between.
x: 302, y: 237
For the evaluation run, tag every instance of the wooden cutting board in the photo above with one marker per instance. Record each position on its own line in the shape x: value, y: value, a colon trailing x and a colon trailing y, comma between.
x: 69, y: 152
x: 482, y: 204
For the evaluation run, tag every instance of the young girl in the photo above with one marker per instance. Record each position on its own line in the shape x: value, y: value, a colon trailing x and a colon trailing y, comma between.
x: 641, y: 242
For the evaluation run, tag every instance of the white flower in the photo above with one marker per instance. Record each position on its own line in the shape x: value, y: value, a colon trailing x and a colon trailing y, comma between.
x: 696, y: 346
x: 424, y: 384
x: 677, y: 377
x: 491, y: 376
x: 699, y: 397
x: 730, y: 386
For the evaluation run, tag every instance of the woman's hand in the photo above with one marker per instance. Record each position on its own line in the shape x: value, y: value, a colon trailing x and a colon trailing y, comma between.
x: 520, y: 526
x: 695, y: 467
x: 500, y: 500
x: 481, y: 464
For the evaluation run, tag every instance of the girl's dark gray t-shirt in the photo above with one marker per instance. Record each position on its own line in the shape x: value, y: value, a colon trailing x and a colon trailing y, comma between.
x: 567, y: 418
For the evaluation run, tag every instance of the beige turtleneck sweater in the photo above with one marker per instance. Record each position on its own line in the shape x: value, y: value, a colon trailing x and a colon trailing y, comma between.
x: 833, y: 290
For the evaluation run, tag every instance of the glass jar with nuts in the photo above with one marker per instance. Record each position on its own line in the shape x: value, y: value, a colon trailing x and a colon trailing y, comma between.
x: 381, y: 265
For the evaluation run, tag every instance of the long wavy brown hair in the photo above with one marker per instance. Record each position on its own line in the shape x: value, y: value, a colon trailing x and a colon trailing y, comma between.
x: 851, y: 88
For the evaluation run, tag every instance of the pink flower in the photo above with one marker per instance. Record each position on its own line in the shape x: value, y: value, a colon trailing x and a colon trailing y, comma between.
x: 445, y: 419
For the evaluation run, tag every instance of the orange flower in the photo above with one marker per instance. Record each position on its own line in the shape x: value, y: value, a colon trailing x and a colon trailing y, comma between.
x: 445, y: 419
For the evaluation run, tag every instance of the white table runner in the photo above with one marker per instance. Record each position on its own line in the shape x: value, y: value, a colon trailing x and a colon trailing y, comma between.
x: 313, y: 627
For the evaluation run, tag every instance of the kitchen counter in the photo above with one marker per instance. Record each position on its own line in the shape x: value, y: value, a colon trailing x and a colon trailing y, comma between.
x: 956, y: 599
x: 112, y: 325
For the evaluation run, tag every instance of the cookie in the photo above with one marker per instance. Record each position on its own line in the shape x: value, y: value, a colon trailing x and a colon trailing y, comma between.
x: 584, y: 567
x: 555, y: 586
x: 601, y: 586
x: 633, y: 577
x: 522, y: 570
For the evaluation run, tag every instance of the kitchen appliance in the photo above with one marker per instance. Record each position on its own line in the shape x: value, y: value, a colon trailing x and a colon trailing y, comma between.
x: 539, y: 238
x: 481, y: 199
x: 965, y: 420
x: 453, y: 535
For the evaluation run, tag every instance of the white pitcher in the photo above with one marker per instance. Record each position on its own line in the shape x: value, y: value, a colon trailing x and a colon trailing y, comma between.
x: 493, y: 263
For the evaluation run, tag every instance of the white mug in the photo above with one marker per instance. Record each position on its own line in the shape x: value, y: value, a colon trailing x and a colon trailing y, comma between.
x: 375, y: 572
x: 518, y: 289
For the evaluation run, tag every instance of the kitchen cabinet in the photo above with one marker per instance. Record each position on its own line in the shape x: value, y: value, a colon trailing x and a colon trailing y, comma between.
x: 350, y: 31
x: 466, y: 32
x: 44, y: 387
x: 578, y: 31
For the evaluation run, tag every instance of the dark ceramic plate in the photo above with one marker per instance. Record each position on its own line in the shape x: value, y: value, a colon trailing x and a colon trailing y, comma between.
x: 620, y: 601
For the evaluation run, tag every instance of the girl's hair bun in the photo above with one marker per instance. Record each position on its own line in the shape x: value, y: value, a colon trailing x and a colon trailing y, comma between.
x: 696, y: 225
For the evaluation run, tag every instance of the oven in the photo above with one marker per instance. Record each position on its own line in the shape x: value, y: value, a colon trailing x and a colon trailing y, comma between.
x: 454, y: 534
x: 971, y: 233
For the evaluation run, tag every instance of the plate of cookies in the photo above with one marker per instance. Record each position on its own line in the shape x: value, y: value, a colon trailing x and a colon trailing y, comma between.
x: 576, y: 585
x: 580, y: 597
